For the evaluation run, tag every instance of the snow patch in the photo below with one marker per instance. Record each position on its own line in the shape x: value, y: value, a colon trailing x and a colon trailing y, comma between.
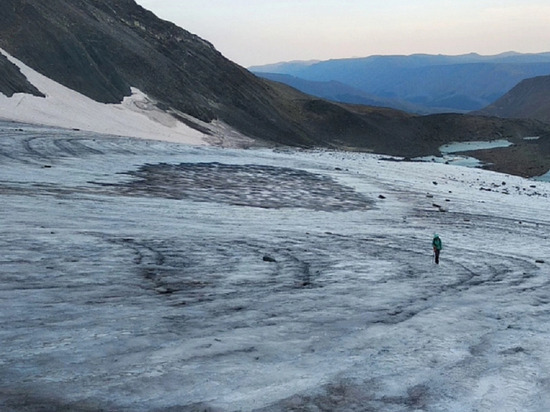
x: 136, y: 116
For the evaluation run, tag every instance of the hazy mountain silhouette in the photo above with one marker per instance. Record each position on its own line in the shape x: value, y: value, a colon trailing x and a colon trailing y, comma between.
x: 340, y: 92
x: 436, y: 83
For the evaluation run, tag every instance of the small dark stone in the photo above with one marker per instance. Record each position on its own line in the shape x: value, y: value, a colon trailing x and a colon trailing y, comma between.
x: 269, y: 259
x: 513, y: 351
x: 164, y: 291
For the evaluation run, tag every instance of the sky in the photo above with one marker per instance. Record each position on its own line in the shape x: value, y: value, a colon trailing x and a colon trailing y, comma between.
x: 255, y: 32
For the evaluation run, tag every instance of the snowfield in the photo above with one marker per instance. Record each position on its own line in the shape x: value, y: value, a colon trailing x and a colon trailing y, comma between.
x: 136, y: 116
x: 141, y: 275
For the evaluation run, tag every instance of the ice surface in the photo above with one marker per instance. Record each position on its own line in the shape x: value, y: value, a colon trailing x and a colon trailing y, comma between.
x: 141, y: 275
x: 449, y: 151
x: 473, y: 145
x: 456, y: 160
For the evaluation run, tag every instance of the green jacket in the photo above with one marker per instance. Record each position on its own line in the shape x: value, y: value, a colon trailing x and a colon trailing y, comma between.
x: 436, y: 243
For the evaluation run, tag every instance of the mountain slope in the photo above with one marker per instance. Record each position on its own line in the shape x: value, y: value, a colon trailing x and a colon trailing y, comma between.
x: 529, y: 99
x: 13, y: 81
x: 102, y: 48
x: 106, y: 49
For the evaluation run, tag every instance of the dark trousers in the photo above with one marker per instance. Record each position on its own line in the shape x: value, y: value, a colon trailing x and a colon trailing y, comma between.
x: 436, y: 252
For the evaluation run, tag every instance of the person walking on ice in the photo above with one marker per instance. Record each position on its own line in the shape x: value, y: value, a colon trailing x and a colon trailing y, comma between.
x: 437, y: 245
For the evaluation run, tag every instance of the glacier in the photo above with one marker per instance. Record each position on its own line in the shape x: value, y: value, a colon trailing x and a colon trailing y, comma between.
x: 142, y: 275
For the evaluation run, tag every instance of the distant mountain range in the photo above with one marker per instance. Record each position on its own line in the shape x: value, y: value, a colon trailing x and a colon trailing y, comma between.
x: 104, y: 49
x: 340, y: 92
x: 418, y: 83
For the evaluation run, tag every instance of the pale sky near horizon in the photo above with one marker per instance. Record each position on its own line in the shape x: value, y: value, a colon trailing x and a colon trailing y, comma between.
x: 255, y: 32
